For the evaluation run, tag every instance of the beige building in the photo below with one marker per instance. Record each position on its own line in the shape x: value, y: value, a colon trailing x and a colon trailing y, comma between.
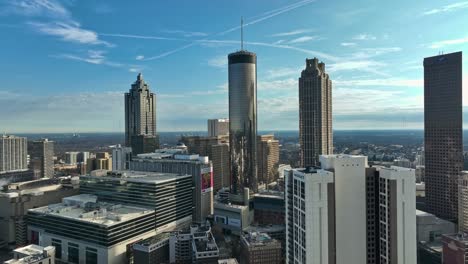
x: 220, y: 159
x: 102, y: 161
x: 267, y: 158
x: 315, y: 113
x: 218, y: 127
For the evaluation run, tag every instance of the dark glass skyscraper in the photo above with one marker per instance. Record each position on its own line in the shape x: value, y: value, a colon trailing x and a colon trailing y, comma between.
x: 140, y: 114
x: 443, y: 133
x: 315, y: 113
x: 243, y: 120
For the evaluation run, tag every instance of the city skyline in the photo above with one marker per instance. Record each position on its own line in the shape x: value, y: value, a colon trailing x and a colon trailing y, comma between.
x: 376, y: 67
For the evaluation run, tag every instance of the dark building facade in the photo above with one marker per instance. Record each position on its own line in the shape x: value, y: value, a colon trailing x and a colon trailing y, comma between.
x: 315, y: 113
x: 144, y: 144
x: 243, y: 120
x: 140, y: 111
x: 443, y: 133
x: 42, y: 158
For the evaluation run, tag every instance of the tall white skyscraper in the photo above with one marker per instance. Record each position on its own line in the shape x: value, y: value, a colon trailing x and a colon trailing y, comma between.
x: 13, y: 153
x: 346, y: 212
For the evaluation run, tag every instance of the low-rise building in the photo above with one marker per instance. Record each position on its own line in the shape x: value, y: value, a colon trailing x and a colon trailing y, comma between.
x: 84, y: 230
x: 153, y: 250
x: 455, y: 248
x: 33, y: 254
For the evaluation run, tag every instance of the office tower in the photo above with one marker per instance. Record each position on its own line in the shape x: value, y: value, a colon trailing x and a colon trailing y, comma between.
x: 463, y: 202
x: 102, y: 161
x: 82, y: 157
x: 315, y: 113
x: 443, y: 144
x: 269, y: 208
x: 19, y: 197
x: 85, y: 230
x: 144, y: 144
x: 267, y: 158
x: 42, y: 158
x: 220, y: 160
x: 199, y: 167
x: 218, y: 127
x: 309, y: 216
x: 121, y: 156
x: 243, y: 120
x: 13, y: 154
x: 202, y: 145
x: 378, y: 203
x: 140, y: 111
x: 397, y: 207
x: 260, y: 248
x: 71, y: 158
x: 455, y: 248
x: 170, y: 195
x: 33, y: 254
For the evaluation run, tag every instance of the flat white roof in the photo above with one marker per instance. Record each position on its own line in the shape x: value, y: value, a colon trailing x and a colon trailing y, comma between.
x: 139, y: 176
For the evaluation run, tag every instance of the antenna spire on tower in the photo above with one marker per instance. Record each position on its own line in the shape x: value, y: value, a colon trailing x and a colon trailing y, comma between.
x: 242, y: 33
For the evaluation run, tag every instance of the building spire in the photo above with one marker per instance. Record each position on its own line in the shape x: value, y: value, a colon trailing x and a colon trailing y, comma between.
x: 140, y: 77
x: 242, y: 33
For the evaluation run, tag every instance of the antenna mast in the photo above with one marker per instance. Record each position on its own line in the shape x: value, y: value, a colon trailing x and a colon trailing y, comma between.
x: 242, y: 33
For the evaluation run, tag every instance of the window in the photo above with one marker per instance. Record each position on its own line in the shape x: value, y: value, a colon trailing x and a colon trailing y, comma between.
x: 73, y: 253
x: 58, y: 247
x: 91, y: 255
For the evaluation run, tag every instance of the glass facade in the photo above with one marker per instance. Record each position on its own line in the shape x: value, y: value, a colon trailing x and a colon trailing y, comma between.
x: 243, y: 120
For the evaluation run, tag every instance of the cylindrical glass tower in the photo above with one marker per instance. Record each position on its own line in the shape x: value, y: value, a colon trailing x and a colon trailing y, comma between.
x: 243, y: 120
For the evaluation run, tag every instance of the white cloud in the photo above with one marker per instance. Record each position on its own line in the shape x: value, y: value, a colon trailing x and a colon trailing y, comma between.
x: 302, y: 39
x: 358, y: 65
x: 37, y: 8
x: 69, y: 31
x: 348, y: 44
x: 140, y: 57
x: 364, y: 36
x: 443, y: 43
x: 292, y: 33
x: 366, y: 53
x: 282, y: 72
x: 218, y: 61
x: 93, y: 57
x: 448, y: 8
x: 279, y: 41
x: 419, y: 83
x: 187, y: 34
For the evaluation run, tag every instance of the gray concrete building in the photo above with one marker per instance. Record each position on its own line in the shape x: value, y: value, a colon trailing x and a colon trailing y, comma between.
x: 42, y: 158
x: 243, y: 120
x: 140, y: 111
x: 13, y: 154
x: 443, y: 135
x: 315, y: 113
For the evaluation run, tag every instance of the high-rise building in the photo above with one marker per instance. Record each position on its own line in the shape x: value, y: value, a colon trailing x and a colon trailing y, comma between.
x: 42, y: 158
x: 13, y: 154
x: 121, y: 156
x: 463, y: 202
x: 218, y: 127
x: 260, y: 248
x: 144, y: 144
x: 443, y: 144
x: 82, y: 157
x: 85, y: 230
x: 71, y: 158
x: 140, y: 111
x: 322, y: 204
x: 267, y: 158
x: 102, y: 161
x: 220, y: 160
x: 243, y: 120
x: 202, y: 145
x: 199, y: 167
x: 315, y: 113
x: 170, y: 195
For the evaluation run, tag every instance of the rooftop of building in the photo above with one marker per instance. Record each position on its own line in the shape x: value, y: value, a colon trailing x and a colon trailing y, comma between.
x: 461, y: 237
x: 435, y: 246
x: 270, y: 195
x: 31, y: 254
x: 228, y: 261
x: 171, y: 156
x: 154, y: 239
x: 265, y: 228
x: 86, y: 208
x: 138, y: 176
x: 255, y: 239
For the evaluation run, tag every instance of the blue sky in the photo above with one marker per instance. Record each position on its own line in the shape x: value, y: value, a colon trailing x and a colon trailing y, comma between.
x: 64, y: 65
